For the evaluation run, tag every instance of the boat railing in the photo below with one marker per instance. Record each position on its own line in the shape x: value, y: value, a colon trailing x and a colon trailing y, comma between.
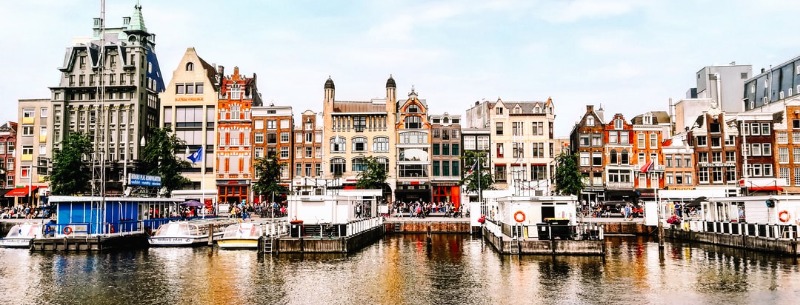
x: 773, y: 231
x: 275, y: 228
x: 362, y: 225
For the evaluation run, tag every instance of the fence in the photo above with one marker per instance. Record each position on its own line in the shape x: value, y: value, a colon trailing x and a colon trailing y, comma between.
x: 359, y: 226
x: 276, y: 229
x: 580, y: 231
x: 743, y: 228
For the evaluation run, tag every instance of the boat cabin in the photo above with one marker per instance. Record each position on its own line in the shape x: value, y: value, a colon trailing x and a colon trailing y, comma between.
x: 342, y: 208
x: 82, y: 215
x: 767, y: 209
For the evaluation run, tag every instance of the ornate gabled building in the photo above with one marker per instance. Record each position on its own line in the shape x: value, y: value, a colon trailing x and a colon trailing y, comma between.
x: 716, y: 145
x: 109, y: 89
x: 414, y: 150
x: 678, y: 164
x: 308, y: 155
x: 586, y: 140
x: 354, y: 130
x: 273, y: 129
x: 619, y: 158
x: 649, y: 131
x: 446, y: 155
x: 237, y: 95
x: 188, y: 108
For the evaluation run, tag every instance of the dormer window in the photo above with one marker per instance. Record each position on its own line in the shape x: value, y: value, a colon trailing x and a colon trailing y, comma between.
x: 618, y: 124
x: 517, y: 109
x: 413, y: 109
x: 590, y: 121
x: 498, y: 111
x: 537, y: 109
x: 648, y: 119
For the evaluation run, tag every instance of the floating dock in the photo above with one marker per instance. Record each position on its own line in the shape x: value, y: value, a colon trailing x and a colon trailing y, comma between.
x: 496, y: 234
x: 90, y: 243
x: 341, y: 239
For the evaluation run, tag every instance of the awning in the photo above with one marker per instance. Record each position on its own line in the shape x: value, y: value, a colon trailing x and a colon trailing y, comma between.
x: 769, y: 188
x: 21, y: 191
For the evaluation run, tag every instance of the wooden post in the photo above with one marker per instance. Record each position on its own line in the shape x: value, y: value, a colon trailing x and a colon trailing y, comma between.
x: 211, y: 234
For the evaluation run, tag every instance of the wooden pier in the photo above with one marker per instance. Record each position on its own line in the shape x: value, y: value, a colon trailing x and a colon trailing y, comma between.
x: 90, y: 243
x: 356, y: 236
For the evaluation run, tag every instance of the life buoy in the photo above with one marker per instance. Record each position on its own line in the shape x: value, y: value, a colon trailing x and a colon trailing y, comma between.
x: 519, y: 216
x: 784, y: 216
x: 67, y: 230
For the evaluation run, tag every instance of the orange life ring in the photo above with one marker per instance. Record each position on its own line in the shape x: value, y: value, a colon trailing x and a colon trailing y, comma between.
x: 784, y: 216
x: 519, y: 216
x: 67, y: 230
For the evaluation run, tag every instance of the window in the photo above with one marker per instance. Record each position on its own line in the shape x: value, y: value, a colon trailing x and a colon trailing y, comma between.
x: 317, y: 169
x: 500, y: 150
x: 714, y: 127
x: 27, y: 130
x: 613, y: 137
x: 337, y: 166
x: 359, y: 164
x: 678, y: 160
x: 625, y: 159
x: 767, y: 170
x: 537, y: 150
x: 189, y: 66
x: 436, y: 133
x: 436, y: 168
x: 469, y: 143
x: 584, y: 159
x: 669, y: 178
x: 795, y: 155
x: 359, y: 123
x: 455, y: 168
x: 483, y: 143
x: 298, y: 169
x: 500, y: 173
x: 337, y: 145
x: 614, y: 158
x: 284, y: 137
x: 445, y: 149
x: 716, y: 157
x: 755, y: 149
x: 189, y: 87
x: 668, y: 161
x: 782, y: 137
x: 259, y: 152
x: 716, y: 142
x: 28, y: 113
x: 499, y: 128
x: 198, y: 88
x: 435, y: 149
x: 783, y: 154
x: 259, y: 137
x: 456, y: 151
x: 584, y: 140
x: 617, y: 124
x: 498, y: 111
x: 309, y: 152
x: 359, y: 144
x: 701, y: 141
x: 270, y: 124
x: 413, y: 122
x: 380, y: 144
x: 538, y: 128
x: 597, y: 159
x: 765, y: 128
x: 272, y: 138
x: 766, y: 149
x: 688, y: 178
x: 445, y: 168
x: 730, y: 140
x: 703, y: 156
x: 516, y: 128
x: 623, y: 137
x: 309, y: 137
x: 517, y: 150
x: 702, y: 175
x: 27, y: 150
x: 597, y: 140
x: 730, y: 156
x: 590, y: 121
x: 284, y: 152
x: 754, y: 130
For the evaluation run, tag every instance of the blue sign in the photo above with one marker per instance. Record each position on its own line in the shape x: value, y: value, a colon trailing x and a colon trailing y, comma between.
x: 144, y: 180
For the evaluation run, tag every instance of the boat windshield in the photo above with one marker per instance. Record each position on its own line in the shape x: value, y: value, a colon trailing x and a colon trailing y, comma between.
x: 24, y: 230
x: 177, y: 229
x: 242, y: 230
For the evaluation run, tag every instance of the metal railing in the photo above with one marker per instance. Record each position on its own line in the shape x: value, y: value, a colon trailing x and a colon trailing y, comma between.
x: 775, y: 231
x: 359, y: 226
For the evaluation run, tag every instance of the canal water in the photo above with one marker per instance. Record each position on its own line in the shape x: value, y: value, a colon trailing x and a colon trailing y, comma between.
x: 456, y: 269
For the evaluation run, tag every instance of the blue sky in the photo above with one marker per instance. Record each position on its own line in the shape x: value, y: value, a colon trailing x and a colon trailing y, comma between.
x: 631, y: 56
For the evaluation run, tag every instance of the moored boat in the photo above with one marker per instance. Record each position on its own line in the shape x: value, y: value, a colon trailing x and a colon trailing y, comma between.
x: 241, y: 236
x: 20, y: 236
x: 186, y: 233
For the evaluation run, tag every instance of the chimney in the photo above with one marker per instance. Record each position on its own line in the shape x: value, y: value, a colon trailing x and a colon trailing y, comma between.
x: 763, y: 70
x: 476, y: 103
x: 221, y: 70
x: 589, y: 108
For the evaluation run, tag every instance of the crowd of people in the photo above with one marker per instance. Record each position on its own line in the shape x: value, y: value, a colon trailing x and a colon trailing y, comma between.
x: 421, y: 209
x: 26, y: 212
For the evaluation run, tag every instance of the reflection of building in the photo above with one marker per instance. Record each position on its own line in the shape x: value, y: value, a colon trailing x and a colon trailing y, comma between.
x: 8, y: 139
x: 237, y: 95
x: 307, y: 152
x: 446, y: 158
x: 586, y: 140
x: 188, y: 108
x: 413, y: 154
x: 126, y: 82
x: 356, y: 129
x: 32, y: 141
x: 272, y: 138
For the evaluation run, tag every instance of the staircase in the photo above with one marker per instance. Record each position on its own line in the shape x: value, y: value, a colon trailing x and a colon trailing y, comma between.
x: 311, y: 230
x: 267, y: 245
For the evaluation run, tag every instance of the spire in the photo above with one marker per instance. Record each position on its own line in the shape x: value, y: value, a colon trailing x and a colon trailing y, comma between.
x: 329, y: 83
x: 390, y: 82
x: 137, y: 20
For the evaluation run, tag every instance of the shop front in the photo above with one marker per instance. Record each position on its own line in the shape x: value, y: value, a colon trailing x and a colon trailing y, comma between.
x: 449, y: 192
x: 413, y: 191
x: 233, y: 191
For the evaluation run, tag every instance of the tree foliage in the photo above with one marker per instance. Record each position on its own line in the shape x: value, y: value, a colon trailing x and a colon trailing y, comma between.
x: 478, y: 177
x: 374, y: 177
x: 71, y: 174
x: 159, y: 159
x: 268, y: 176
x: 568, y: 176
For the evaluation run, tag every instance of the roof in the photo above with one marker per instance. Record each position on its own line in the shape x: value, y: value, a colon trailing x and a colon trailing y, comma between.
x: 329, y: 83
x: 659, y: 117
x: 390, y: 82
x: 358, y: 106
x: 526, y: 107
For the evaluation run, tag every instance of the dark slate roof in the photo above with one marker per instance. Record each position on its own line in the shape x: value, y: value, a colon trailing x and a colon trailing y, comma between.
x: 329, y: 84
x: 390, y: 82
x: 358, y: 106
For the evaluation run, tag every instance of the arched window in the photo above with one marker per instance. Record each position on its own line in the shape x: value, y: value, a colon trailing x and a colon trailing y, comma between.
x: 384, y: 161
x: 337, y: 144
x: 189, y: 66
x: 380, y: 144
x: 359, y: 144
x: 338, y: 166
x: 359, y: 164
x: 614, y: 159
x: 624, y: 159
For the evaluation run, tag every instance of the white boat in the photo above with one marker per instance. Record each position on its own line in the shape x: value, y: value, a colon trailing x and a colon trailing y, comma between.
x: 20, y: 236
x: 241, y: 236
x: 185, y: 233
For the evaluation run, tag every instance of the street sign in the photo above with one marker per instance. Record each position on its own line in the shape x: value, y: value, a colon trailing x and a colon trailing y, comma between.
x: 144, y: 180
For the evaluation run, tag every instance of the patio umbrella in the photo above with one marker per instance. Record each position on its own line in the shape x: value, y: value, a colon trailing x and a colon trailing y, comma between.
x: 192, y: 203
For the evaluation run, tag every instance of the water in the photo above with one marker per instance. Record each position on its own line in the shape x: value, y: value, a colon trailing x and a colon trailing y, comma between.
x: 457, y: 269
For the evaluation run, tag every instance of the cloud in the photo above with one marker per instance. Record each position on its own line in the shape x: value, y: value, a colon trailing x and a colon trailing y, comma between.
x: 576, y: 10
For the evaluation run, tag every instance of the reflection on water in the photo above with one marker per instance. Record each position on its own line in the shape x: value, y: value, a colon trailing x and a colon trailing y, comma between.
x: 455, y: 269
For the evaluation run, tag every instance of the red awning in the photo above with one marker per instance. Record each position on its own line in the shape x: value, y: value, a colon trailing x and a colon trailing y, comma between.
x: 769, y: 188
x: 21, y: 191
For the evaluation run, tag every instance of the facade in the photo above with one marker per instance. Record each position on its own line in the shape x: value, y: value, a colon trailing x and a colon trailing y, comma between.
x: 716, y: 146
x: 188, y: 108
x: 414, y: 151
x: 234, y: 155
x: 586, y: 140
x: 649, y: 130
x: 620, y: 158
x: 308, y: 154
x: 353, y: 130
x: 273, y: 128
x: 758, y: 139
x: 125, y: 80
x: 772, y: 85
x: 446, y: 155
x: 723, y: 84
x: 32, y: 141
x: 476, y: 140
x: 523, y: 142
x: 787, y: 143
x: 8, y: 140
x: 678, y: 163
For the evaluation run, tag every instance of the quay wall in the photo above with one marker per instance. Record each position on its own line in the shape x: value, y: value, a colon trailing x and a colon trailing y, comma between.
x: 755, y: 243
x: 460, y: 227
x: 632, y: 228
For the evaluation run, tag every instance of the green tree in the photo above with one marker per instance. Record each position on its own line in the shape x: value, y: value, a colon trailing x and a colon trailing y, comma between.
x: 71, y: 175
x: 568, y: 175
x: 374, y: 177
x: 478, y: 176
x: 268, y: 176
x: 158, y: 159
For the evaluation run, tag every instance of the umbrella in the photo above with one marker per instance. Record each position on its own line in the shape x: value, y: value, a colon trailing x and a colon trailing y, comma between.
x: 192, y: 203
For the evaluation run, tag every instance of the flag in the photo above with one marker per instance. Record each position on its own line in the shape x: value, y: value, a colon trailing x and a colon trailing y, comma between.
x: 196, y: 156
x: 473, y: 168
x: 647, y: 166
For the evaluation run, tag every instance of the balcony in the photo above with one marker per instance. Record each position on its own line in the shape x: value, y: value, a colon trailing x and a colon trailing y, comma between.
x: 619, y: 185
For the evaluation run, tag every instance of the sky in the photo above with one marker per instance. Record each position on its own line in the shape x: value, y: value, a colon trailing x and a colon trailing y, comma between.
x: 631, y: 56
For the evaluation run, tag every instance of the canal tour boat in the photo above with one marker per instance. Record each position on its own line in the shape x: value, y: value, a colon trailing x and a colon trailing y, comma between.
x: 20, y: 236
x: 241, y: 236
x: 186, y: 233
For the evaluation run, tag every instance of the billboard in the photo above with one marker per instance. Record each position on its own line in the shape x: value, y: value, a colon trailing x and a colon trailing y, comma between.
x: 144, y: 180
